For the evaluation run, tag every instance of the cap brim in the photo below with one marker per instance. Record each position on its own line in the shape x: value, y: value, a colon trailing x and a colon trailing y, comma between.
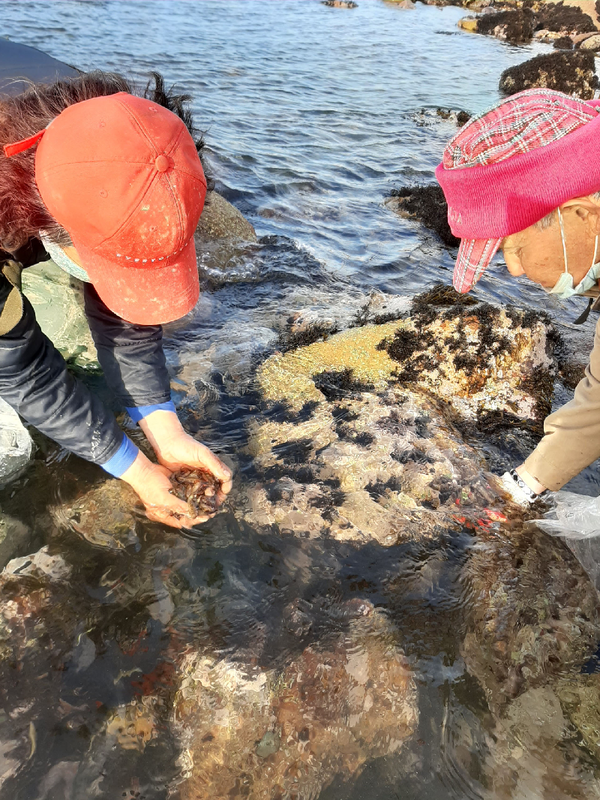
x: 473, y: 257
x: 144, y: 295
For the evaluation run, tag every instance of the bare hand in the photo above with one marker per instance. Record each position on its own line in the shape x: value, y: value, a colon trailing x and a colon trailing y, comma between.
x: 151, y: 483
x: 175, y: 449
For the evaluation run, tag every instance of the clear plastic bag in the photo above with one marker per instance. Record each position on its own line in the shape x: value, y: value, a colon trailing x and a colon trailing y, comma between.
x: 15, y: 444
x: 574, y: 516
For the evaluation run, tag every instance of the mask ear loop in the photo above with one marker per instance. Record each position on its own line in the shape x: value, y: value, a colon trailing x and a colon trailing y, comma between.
x: 564, y: 244
x: 595, y: 251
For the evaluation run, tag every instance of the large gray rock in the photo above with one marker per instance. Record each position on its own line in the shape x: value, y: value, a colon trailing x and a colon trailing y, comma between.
x: 221, y: 220
x: 57, y: 299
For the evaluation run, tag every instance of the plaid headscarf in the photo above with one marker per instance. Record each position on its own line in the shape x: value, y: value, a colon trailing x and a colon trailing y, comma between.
x: 510, y: 166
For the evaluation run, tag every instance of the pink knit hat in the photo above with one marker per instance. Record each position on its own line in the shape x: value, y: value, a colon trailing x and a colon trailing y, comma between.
x: 509, y: 167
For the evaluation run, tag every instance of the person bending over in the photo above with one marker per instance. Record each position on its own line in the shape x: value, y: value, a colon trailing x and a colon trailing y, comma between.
x: 524, y: 177
x: 111, y: 185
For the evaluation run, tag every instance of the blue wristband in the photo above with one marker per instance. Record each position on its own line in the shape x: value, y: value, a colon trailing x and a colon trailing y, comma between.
x: 122, y: 459
x: 140, y: 412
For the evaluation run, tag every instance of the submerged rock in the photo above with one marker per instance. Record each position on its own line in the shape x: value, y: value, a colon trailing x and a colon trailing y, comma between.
x: 105, y: 515
x: 15, y: 539
x: 534, y: 615
x: 579, y: 697
x: 282, y: 733
x: 529, y: 751
x: 573, y: 73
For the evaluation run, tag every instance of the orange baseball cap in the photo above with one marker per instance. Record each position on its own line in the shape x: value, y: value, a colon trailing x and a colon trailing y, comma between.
x: 122, y: 175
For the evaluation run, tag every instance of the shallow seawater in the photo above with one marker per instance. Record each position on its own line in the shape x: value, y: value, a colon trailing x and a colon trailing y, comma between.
x: 311, y: 116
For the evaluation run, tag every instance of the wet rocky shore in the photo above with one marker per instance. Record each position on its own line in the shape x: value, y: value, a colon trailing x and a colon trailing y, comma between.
x: 566, y: 23
x: 274, y: 676
x: 368, y: 595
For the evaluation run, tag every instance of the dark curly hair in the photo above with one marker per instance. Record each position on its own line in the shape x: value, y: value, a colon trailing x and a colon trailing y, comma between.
x: 22, y: 212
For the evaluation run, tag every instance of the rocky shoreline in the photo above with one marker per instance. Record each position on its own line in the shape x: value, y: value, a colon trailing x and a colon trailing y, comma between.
x: 566, y: 24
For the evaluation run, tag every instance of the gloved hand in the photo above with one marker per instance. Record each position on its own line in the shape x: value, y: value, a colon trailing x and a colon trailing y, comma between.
x: 519, y: 491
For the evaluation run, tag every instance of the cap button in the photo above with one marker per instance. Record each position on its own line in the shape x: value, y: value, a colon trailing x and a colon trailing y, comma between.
x: 162, y: 163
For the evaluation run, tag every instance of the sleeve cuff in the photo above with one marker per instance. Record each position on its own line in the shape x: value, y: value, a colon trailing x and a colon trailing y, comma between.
x: 122, y: 459
x: 140, y: 412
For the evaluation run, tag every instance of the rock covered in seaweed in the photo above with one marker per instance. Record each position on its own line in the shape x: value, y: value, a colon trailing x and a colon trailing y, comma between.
x: 339, y: 3
x: 546, y: 21
x: 532, y: 624
x: 245, y: 731
x: 381, y: 468
x: 530, y: 745
x: 361, y: 441
x: 573, y: 73
x: 474, y: 356
x: 514, y: 26
x: 426, y: 204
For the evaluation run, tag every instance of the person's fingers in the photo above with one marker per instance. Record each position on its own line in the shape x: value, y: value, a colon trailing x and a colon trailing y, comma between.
x: 160, y: 516
x: 214, y: 464
x: 174, y: 505
x: 226, y: 486
x: 189, y: 522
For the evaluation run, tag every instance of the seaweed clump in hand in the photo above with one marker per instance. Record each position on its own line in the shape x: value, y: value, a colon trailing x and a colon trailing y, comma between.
x: 199, y: 488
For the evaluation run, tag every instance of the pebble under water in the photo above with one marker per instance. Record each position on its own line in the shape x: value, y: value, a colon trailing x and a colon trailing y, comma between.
x: 312, y: 115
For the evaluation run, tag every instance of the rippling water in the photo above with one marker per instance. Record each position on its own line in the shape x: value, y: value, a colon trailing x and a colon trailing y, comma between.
x: 311, y: 116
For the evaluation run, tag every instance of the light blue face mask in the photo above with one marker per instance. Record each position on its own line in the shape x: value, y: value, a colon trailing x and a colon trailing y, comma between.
x: 563, y: 287
x: 62, y: 260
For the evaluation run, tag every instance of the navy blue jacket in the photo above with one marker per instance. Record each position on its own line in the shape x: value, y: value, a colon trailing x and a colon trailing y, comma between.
x: 35, y: 381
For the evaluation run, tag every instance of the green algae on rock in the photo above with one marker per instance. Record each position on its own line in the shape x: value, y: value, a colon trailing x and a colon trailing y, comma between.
x: 57, y: 299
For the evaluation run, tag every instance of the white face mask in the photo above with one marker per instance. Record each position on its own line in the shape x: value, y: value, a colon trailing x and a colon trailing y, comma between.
x: 62, y: 260
x: 564, y: 287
